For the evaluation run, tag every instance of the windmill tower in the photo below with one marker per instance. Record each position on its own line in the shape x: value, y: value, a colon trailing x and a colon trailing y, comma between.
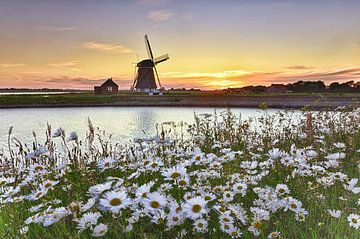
x: 146, y: 71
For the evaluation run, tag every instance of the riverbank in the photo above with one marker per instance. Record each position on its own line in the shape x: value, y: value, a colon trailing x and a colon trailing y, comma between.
x: 180, y: 100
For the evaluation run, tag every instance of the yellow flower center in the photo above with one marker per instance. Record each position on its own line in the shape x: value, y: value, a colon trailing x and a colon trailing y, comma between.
x: 234, y: 233
x: 354, y: 220
x: 182, y: 182
x: 196, y: 208
x: 154, y: 204
x: 293, y: 205
x: 115, y: 202
x: 200, y: 225
x: 197, y: 158
x: 281, y: 190
x: 175, y: 219
x: 175, y: 175
x: 207, y: 198
x: 258, y: 224
x: 47, y: 185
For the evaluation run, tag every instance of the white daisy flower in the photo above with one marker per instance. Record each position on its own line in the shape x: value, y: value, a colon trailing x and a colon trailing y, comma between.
x: 201, y: 225
x: 100, y: 230
x: 174, y: 173
x: 115, y: 201
x: 88, y: 220
x: 334, y: 213
x: 282, y: 189
x: 194, y: 208
x: 354, y: 220
x: 154, y: 201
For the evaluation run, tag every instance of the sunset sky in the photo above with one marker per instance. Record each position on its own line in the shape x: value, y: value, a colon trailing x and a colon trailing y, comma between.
x: 212, y: 44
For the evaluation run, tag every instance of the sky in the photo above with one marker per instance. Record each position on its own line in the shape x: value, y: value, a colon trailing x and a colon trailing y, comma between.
x: 212, y: 44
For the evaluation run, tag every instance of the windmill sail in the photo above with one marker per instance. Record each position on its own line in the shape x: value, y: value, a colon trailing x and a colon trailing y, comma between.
x: 162, y: 58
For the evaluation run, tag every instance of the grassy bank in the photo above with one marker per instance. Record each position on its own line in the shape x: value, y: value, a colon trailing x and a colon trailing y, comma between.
x: 201, y: 99
x: 226, y: 179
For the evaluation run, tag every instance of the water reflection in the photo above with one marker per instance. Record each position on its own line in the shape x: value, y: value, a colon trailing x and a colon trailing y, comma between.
x: 124, y: 123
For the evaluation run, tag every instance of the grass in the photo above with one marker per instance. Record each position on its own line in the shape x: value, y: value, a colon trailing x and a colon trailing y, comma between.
x: 128, y: 96
x: 225, y: 145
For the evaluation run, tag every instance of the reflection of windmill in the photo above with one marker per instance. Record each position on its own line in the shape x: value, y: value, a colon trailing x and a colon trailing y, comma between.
x: 145, y: 76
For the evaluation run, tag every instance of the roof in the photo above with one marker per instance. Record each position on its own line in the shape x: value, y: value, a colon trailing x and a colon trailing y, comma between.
x: 109, y: 82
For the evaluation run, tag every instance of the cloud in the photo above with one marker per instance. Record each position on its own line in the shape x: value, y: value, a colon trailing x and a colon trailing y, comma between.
x: 12, y: 65
x: 153, y: 2
x: 160, y: 16
x: 56, y: 29
x: 68, y: 65
x: 109, y: 48
x: 299, y: 67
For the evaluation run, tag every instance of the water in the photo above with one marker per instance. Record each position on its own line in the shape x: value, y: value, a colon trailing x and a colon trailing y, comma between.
x: 125, y: 123
x: 34, y: 93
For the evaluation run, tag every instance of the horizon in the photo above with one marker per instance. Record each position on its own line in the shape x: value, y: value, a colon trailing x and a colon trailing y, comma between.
x: 212, y: 45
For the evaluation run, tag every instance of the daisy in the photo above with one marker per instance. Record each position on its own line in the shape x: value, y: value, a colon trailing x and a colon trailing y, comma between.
x: 293, y: 204
x: 240, y: 188
x: 88, y: 220
x: 274, y: 234
x: 96, y: 190
x: 105, y: 163
x: 174, y: 172
x: 200, y: 225
x: 154, y: 201
x: 73, y: 136
x: 115, y: 201
x: 334, y: 213
x: 100, y: 230
x: 195, y: 207
x: 354, y: 220
x: 282, y: 189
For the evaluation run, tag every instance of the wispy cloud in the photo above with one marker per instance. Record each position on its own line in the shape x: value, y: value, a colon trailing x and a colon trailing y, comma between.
x: 68, y: 65
x: 12, y: 65
x: 109, y: 48
x: 160, y: 16
x: 56, y: 29
x: 299, y: 67
x: 153, y: 2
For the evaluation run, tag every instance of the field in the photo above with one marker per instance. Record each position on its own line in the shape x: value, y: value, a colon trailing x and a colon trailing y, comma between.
x: 223, y: 177
x: 181, y: 98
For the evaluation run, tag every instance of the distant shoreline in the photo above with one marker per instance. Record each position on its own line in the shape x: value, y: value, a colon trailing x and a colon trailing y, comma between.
x: 281, y: 101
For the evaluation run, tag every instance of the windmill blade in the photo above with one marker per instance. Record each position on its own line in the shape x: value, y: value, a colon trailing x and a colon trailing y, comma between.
x: 148, y: 48
x: 157, y: 76
x: 162, y: 58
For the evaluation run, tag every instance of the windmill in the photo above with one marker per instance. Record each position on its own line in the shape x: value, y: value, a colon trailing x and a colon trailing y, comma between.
x: 146, y: 71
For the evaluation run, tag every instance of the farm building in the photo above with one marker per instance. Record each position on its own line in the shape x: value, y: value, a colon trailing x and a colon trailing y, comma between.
x: 108, y: 87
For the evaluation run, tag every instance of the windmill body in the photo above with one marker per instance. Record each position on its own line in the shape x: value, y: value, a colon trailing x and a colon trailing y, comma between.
x: 146, y: 74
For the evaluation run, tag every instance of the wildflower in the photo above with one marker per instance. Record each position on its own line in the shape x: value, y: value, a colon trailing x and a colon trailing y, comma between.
x: 354, y: 220
x: 154, y: 201
x: 115, y: 201
x: 282, y: 189
x: 100, y: 230
x: 58, y: 132
x: 174, y: 172
x: 351, y: 186
x: 293, y: 204
x: 274, y: 234
x: 96, y: 190
x: 240, y: 188
x: 88, y: 220
x: 89, y: 204
x: 105, y: 163
x: 200, y: 225
x: 194, y: 208
x: 334, y: 213
x: 73, y: 136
